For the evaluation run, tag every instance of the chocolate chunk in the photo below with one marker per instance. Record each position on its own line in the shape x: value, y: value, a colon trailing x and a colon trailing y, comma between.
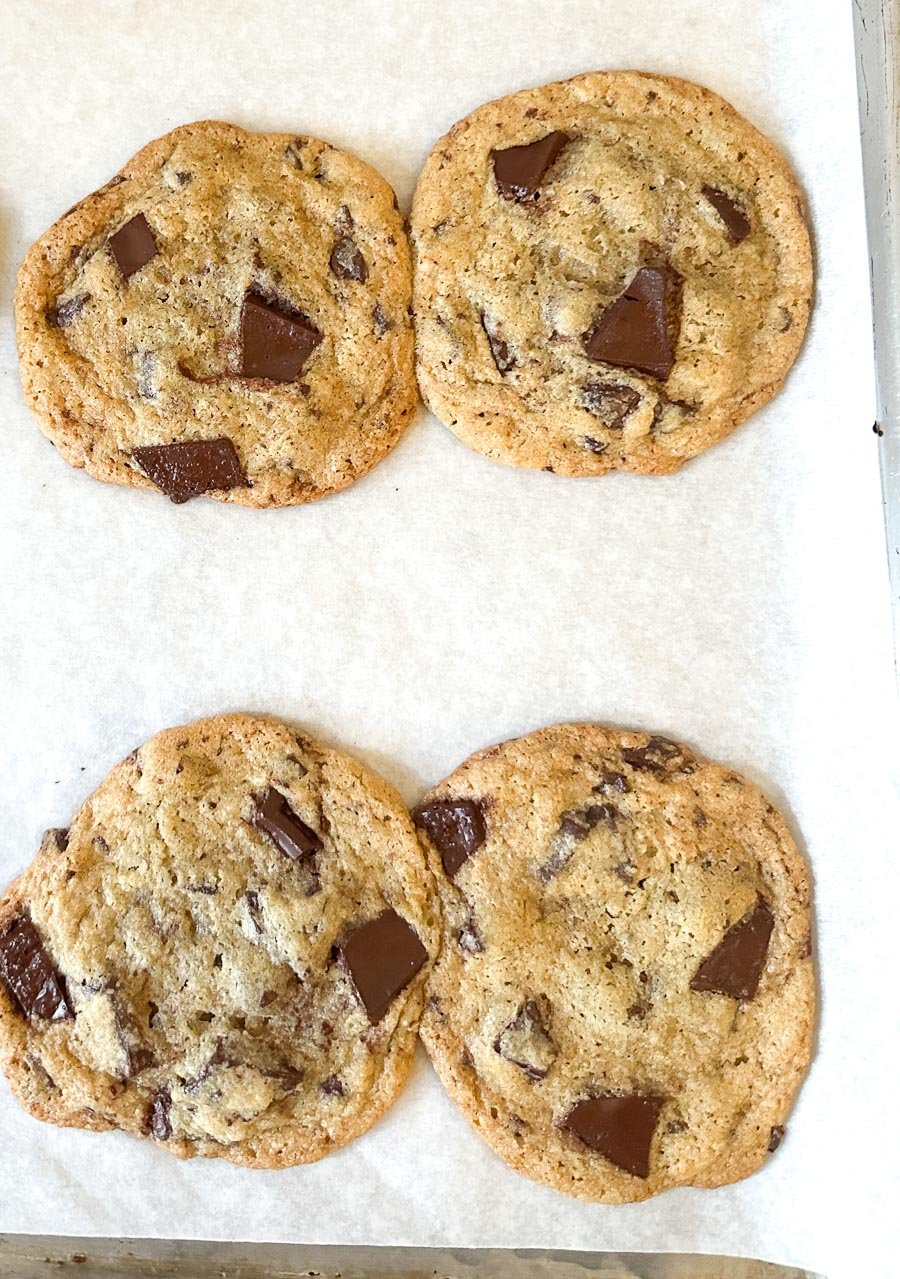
x: 737, y: 224
x: 776, y: 1137
x: 55, y: 840
x: 455, y: 827
x: 574, y: 826
x: 29, y: 973
x: 156, y: 1121
x: 64, y: 313
x: 588, y: 442
x: 346, y: 261
x: 611, y: 781
x: 254, y: 910
x: 611, y: 402
x: 658, y: 756
x: 275, y: 344
x: 619, y: 1128
x: 332, y: 1087
x: 274, y: 816
x: 469, y: 938
x: 639, y: 330
x: 382, y: 956
x: 503, y: 357
x: 133, y: 246
x: 735, y: 966
x: 526, y: 1041
x: 191, y: 467
x: 518, y: 170
x: 139, y: 1059
x: 380, y: 320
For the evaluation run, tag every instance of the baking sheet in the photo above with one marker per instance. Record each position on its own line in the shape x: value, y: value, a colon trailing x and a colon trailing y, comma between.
x: 445, y: 602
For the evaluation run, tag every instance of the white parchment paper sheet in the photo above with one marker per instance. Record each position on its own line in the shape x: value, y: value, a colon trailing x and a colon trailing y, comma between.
x: 445, y: 602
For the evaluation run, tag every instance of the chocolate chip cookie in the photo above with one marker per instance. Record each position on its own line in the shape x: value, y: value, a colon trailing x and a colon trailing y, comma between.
x: 229, y: 315
x: 611, y: 272
x: 624, y: 998
x: 224, y: 952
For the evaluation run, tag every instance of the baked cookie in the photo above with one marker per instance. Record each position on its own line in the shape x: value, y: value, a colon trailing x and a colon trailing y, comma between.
x: 611, y: 273
x: 229, y: 315
x: 224, y: 952
x: 624, y: 998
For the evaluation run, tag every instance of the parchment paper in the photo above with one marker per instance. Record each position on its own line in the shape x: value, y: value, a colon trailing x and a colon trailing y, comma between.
x: 445, y: 602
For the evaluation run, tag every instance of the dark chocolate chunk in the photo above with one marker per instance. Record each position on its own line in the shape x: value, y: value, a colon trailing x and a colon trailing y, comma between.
x: 611, y: 781
x: 133, y: 246
x: 382, y: 956
x: 139, y: 1059
x: 254, y: 910
x: 64, y: 313
x: 346, y: 261
x: 735, y: 966
x: 776, y: 1137
x: 332, y: 1087
x: 526, y: 1041
x: 186, y: 469
x: 469, y: 938
x: 29, y: 973
x: 518, y: 170
x: 503, y: 357
x: 639, y: 330
x: 574, y: 826
x: 55, y: 840
x: 658, y: 756
x: 588, y: 442
x: 737, y: 224
x: 380, y: 320
x: 275, y: 343
x: 274, y: 816
x: 619, y: 1128
x: 156, y: 1121
x: 455, y: 827
x: 611, y: 402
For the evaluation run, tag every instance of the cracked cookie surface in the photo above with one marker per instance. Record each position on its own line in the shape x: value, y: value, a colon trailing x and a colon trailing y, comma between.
x: 225, y: 951
x: 624, y: 998
x: 248, y: 290
x: 611, y: 272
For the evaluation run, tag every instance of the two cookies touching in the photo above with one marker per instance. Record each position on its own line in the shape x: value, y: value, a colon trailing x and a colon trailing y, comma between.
x: 611, y: 272
x: 603, y: 940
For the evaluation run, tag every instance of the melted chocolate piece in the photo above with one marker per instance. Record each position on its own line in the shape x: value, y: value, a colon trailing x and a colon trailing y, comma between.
x: 156, y: 1121
x: 639, y: 329
x: 599, y: 447
x: 611, y: 781
x: 382, y: 956
x: 64, y: 313
x: 29, y: 973
x: 574, y: 826
x: 469, y: 938
x: 274, y: 816
x: 186, y: 469
x: 275, y: 344
x: 133, y: 246
x: 518, y: 170
x: 55, y: 840
x: 619, y: 1128
x: 611, y: 402
x: 455, y: 827
x: 658, y: 756
x: 526, y: 1041
x: 737, y: 224
x: 346, y: 261
x: 332, y: 1087
x: 776, y: 1137
x: 503, y: 357
x: 735, y: 966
